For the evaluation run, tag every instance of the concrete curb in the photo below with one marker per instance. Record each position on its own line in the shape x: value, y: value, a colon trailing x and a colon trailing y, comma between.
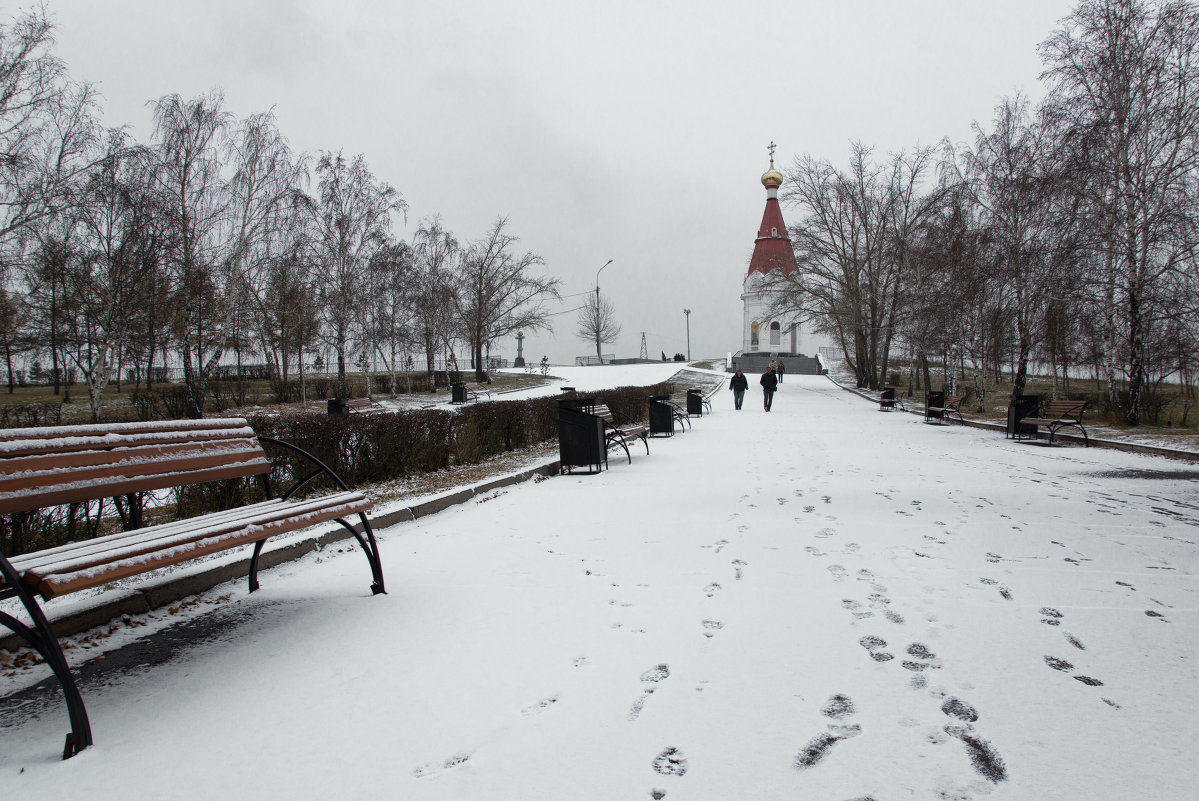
x: 1129, y: 447
x: 164, y: 590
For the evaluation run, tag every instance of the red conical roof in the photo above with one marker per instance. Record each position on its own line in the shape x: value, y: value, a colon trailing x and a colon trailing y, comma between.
x: 772, y: 248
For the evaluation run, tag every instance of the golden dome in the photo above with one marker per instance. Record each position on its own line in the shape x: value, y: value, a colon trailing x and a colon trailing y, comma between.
x: 772, y: 179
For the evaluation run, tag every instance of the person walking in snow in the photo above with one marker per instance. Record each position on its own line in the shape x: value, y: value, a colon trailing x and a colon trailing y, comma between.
x: 781, y: 371
x: 769, y: 384
x: 738, y: 384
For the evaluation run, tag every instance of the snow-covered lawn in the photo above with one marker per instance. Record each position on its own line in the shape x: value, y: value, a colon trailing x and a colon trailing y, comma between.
x: 822, y: 602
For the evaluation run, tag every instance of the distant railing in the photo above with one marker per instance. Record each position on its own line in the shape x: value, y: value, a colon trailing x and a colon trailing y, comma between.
x: 584, y: 361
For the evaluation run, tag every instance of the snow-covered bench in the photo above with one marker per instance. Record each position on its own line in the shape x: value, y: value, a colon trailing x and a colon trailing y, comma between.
x: 950, y: 407
x: 890, y: 400
x: 59, y: 465
x: 355, y: 406
x: 1057, y: 414
x: 621, y: 434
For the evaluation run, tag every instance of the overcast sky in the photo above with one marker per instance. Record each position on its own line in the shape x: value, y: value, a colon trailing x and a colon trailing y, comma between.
x: 633, y: 131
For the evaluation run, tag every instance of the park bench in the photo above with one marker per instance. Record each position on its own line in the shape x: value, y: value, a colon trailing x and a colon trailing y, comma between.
x: 677, y: 414
x: 354, y: 406
x: 621, y: 434
x: 890, y: 400
x: 472, y: 391
x: 1055, y: 415
x: 937, y: 409
x: 60, y: 465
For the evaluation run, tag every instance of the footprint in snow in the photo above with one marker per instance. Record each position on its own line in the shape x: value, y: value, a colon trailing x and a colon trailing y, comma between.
x: 656, y: 673
x: 874, y: 646
x: 1058, y: 664
x: 1052, y: 617
x: 983, y: 756
x: 839, y: 708
x: 711, y: 589
x: 540, y: 706
x: 738, y: 566
x: 429, y: 768
x: 670, y: 762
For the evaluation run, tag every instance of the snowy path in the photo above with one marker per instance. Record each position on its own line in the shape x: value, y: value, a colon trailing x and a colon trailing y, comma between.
x: 824, y: 602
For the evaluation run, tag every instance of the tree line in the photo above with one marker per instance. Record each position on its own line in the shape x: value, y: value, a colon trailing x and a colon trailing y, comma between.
x: 1064, y: 236
x: 215, y: 240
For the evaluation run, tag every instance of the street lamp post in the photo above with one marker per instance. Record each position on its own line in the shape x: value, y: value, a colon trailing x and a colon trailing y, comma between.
x: 597, y: 273
x: 598, y: 355
x: 687, y: 312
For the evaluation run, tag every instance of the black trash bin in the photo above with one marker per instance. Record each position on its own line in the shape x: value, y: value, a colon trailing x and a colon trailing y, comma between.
x: 1020, y: 407
x: 695, y: 403
x: 580, y: 436
x: 458, y: 392
x: 661, y: 416
x: 337, y: 406
x: 887, y: 401
x: 934, y: 405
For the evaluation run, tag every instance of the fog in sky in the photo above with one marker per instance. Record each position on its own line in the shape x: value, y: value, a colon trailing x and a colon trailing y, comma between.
x: 632, y: 131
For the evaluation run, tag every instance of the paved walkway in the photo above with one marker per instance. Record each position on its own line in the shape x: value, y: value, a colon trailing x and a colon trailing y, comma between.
x: 820, y: 602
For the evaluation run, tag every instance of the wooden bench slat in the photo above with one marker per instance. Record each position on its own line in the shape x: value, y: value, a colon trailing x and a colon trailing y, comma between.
x: 43, y: 471
x: 118, y: 539
x: 21, y: 442
x: 124, y: 544
x: 147, y: 454
x: 72, y: 578
x: 128, y: 547
x: 102, y: 488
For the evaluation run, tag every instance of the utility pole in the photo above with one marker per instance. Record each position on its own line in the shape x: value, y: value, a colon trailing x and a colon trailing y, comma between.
x: 687, y: 312
x: 644, y: 352
x: 598, y: 354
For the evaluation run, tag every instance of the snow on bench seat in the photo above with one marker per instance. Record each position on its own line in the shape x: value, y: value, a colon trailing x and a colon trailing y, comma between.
x: 95, y: 562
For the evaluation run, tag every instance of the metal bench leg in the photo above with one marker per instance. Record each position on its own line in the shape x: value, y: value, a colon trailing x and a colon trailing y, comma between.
x: 254, y: 564
x: 42, y: 639
x: 369, y: 546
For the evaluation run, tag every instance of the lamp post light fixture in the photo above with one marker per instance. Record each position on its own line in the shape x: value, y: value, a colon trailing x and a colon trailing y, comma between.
x: 597, y: 274
x: 687, y: 313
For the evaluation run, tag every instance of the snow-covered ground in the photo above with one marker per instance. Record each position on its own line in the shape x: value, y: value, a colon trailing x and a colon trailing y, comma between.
x: 822, y: 602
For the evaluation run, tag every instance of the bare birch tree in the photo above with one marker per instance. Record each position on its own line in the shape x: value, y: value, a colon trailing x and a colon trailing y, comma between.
x: 498, y: 292
x: 597, y: 324
x: 1125, y: 87
x: 354, y: 215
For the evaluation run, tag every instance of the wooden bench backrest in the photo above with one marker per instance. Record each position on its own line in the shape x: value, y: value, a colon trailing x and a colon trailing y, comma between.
x: 603, y: 411
x: 1063, y: 408
x: 66, y: 464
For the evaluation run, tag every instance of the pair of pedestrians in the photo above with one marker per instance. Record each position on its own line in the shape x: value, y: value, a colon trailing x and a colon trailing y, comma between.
x: 769, y: 381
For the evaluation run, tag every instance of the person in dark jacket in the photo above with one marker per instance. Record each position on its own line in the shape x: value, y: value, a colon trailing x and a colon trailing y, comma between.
x: 769, y: 384
x: 781, y: 371
x: 738, y: 384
